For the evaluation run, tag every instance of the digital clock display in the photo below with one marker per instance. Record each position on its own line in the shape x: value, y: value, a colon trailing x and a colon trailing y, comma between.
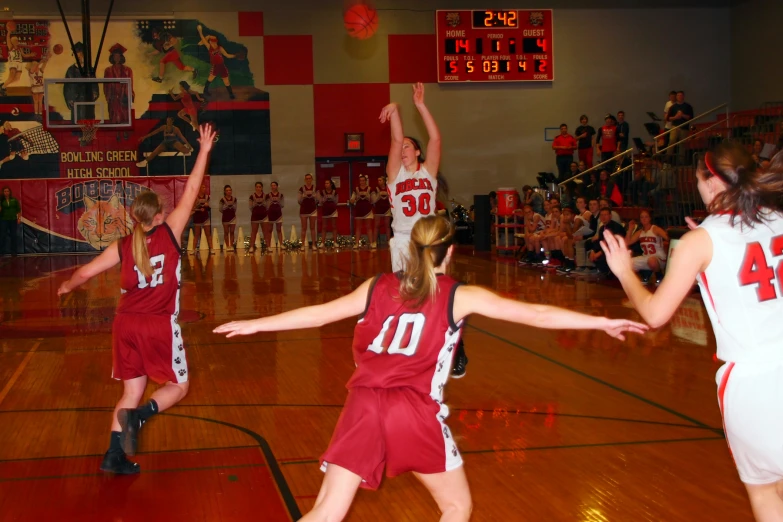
x: 493, y: 45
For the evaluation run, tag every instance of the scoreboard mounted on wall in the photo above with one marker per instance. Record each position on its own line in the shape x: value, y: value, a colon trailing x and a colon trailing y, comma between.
x: 494, y: 45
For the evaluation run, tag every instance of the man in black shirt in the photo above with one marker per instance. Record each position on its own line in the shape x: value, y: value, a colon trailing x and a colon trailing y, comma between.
x: 623, y: 134
x: 585, y: 137
x: 680, y: 113
x: 605, y: 222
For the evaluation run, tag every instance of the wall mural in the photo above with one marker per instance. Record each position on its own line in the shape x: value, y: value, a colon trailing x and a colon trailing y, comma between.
x: 170, y: 76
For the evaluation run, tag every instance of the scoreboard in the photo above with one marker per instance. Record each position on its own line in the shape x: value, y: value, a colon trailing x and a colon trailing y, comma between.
x: 32, y: 37
x: 494, y: 45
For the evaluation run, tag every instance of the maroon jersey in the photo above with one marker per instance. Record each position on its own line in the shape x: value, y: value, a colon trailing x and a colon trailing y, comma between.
x: 159, y: 293
x: 201, y: 214
x: 229, y: 209
x: 382, y: 205
x: 362, y: 202
x: 257, y: 207
x: 274, y: 206
x: 307, y: 202
x: 329, y: 203
x: 395, y: 345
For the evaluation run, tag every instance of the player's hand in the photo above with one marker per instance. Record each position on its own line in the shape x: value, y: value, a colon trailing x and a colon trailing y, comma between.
x: 618, y: 327
x: 387, y: 112
x: 64, y: 289
x: 618, y: 257
x: 691, y: 223
x: 418, y: 93
x: 199, y: 28
x: 206, y: 137
x: 632, y: 225
x: 235, y: 328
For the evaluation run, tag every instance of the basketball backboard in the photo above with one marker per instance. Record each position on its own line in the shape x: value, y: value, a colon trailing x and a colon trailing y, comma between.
x: 70, y: 102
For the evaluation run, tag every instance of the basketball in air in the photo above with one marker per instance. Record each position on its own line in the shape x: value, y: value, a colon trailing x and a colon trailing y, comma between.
x: 58, y: 49
x: 11, y: 26
x: 361, y: 21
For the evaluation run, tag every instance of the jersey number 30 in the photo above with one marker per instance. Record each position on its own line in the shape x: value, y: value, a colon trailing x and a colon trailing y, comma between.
x: 410, y: 207
x: 756, y: 271
x: 157, y: 273
x: 415, y: 321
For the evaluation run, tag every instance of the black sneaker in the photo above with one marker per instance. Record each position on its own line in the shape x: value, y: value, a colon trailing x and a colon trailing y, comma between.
x: 459, y: 370
x: 118, y: 463
x: 130, y: 423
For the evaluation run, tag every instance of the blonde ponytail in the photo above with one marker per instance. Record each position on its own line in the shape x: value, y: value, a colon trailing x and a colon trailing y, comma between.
x: 431, y: 238
x: 145, y: 207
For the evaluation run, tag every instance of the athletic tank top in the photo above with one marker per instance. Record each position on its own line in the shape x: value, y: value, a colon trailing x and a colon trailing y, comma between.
x: 329, y: 202
x: 412, y: 197
x: 307, y: 202
x: 382, y: 204
x: 257, y: 207
x: 652, y: 244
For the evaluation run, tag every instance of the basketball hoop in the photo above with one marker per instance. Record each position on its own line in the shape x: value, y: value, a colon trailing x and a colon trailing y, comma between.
x: 89, y: 130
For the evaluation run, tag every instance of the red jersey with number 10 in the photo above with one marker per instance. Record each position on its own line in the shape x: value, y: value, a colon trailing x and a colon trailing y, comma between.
x: 742, y: 288
x: 395, y: 345
x: 159, y: 293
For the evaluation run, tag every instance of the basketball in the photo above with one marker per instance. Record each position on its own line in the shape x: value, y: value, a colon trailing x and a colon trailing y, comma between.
x: 11, y: 26
x: 58, y: 49
x: 361, y: 21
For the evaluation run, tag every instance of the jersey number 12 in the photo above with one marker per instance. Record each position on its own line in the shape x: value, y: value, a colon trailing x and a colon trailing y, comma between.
x: 756, y: 271
x: 157, y: 273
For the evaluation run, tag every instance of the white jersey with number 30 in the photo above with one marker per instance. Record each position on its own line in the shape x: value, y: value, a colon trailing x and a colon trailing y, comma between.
x: 742, y: 288
x: 412, y: 197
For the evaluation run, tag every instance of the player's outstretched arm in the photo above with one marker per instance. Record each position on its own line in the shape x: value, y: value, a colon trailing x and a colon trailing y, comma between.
x: 391, y: 113
x: 347, y: 306
x: 476, y: 300
x: 179, y: 216
x: 691, y: 257
x: 108, y: 258
x: 432, y: 161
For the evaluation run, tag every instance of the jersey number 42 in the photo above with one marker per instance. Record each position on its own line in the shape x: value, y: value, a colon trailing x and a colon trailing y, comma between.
x: 755, y: 269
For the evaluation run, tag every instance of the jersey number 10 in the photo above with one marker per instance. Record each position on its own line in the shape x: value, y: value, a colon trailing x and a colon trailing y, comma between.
x: 415, y: 321
x: 756, y: 271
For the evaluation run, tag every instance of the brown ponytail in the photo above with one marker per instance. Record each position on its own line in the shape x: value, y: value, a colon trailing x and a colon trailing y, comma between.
x: 751, y: 192
x: 431, y: 238
x: 145, y: 207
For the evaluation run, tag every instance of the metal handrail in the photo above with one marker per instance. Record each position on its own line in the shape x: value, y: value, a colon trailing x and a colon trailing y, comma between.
x: 706, y: 113
x: 690, y: 136
x: 594, y: 167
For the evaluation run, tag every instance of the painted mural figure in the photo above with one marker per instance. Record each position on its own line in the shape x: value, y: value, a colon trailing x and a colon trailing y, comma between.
x: 35, y: 70
x: 15, y: 62
x: 165, y: 44
x: 117, y: 96
x: 17, y: 143
x: 173, y: 140
x: 189, y: 113
x: 80, y: 92
x: 216, y: 61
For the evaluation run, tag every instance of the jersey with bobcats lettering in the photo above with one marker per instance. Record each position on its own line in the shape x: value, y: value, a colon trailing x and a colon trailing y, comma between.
x: 396, y: 345
x: 743, y: 290
x: 159, y: 293
x: 412, y: 197
x: 652, y: 244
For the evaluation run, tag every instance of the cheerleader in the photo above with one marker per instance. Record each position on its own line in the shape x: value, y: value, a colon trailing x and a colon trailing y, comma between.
x: 329, y: 202
x: 381, y: 208
x: 257, y: 205
x: 201, y: 219
x: 362, y: 202
x: 228, y: 207
x: 274, y: 208
x: 308, y: 209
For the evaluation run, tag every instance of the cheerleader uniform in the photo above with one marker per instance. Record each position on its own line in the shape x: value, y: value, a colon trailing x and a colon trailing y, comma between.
x: 362, y: 203
x: 257, y: 206
x: 229, y: 210
x: 274, y: 206
x: 201, y: 215
x: 308, y: 205
x: 381, y: 202
x: 329, y: 204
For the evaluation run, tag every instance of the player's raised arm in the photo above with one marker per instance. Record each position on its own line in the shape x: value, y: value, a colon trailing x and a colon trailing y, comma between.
x: 347, y: 306
x: 476, y: 300
x: 179, y: 216
x: 108, y: 258
x: 391, y: 113
x: 432, y: 161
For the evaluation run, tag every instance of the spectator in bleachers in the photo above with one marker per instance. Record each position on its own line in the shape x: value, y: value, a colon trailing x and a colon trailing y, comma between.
x: 563, y: 241
x: 591, y: 186
x: 606, y: 221
x: 534, y: 225
x: 608, y: 189
x: 606, y: 143
x: 668, y: 124
x: 534, y: 199
x: 583, y: 166
x: 640, y: 187
x: 680, y: 113
x: 758, y: 146
x: 564, y: 146
x: 650, y: 239
x: 623, y: 136
x: 605, y: 203
x: 586, y: 135
x: 583, y: 218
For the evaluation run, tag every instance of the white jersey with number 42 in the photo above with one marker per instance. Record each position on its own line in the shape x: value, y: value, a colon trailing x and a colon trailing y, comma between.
x: 742, y: 288
x: 412, y: 197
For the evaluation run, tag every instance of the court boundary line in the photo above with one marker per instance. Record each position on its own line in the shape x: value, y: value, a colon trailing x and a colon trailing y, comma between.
x: 101, y: 473
x: 19, y: 370
x: 598, y: 380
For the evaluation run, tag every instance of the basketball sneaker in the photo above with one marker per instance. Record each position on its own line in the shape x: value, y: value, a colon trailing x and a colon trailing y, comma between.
x: 117, y: 462
x: 131, y: 424
x: 459, y: 369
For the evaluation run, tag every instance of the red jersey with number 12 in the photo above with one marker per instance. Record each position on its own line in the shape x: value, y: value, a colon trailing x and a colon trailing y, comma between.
x: 742, y: 288
x: 159, y: 293
x: 396, y: 345
x: 412, y: 197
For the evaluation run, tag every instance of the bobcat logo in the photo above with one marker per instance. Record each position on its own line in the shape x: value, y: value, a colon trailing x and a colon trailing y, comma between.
x: 104, y: 222
x: 536, y: 18
x: 453, y: 19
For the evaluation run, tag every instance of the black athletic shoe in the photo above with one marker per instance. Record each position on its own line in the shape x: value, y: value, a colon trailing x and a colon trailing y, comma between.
x: 118, y: 463
x: 459, y: 369
x: 130, y: 423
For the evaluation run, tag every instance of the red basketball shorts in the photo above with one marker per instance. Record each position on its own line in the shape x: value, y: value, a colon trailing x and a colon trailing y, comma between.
x: 396, y: 428
x: 173, y: 57
x: 148, y: 345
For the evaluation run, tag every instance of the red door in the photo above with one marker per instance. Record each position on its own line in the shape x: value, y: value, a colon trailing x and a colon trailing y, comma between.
x: 339, y: 172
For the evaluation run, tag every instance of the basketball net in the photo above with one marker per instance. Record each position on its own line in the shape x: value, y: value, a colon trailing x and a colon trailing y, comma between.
x: 89, y: 130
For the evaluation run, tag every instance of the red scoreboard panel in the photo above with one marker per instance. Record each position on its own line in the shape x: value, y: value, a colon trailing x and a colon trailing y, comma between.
x: 495, y: 45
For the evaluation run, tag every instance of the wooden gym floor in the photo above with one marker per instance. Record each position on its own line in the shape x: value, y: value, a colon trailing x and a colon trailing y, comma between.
x: 553, y: 425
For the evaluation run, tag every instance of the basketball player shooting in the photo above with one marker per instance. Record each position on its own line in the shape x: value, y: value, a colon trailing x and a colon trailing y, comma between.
x: 394, y: 416
x: 146, y: 338
x: 731, y: 255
